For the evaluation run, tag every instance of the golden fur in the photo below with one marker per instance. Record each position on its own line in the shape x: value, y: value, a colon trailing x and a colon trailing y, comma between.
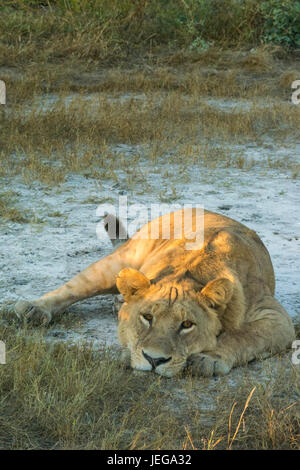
x: 210, y: 308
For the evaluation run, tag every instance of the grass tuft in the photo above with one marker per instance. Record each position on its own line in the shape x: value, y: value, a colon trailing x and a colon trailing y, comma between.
x: 64, y: 396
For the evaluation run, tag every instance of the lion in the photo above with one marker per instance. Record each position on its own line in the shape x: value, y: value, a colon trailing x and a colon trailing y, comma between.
x: 207, y: 309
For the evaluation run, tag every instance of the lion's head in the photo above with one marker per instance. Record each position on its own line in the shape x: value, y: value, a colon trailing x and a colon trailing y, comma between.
x: 161, y: 325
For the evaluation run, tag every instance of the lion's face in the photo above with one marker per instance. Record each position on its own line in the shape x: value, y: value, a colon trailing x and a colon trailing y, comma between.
x: 161, y: 326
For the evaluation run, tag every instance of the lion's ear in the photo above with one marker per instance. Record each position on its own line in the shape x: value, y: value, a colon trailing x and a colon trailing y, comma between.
x: 217, y: 293
x: 129, y: 281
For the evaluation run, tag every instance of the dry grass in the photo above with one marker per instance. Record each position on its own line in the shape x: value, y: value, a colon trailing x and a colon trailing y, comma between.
x: 71, y: 397
x: 110, y: 31
x: 8, y: 211
x: 288, y: 77
x: 64, y: 397
x: 78, y: 134
x: 260, y: 59
x: 217, y: 72
x: 156, y: 102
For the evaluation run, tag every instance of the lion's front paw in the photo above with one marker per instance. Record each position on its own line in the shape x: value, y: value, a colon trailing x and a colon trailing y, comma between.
x: 124, y: 358
x: 207, y: 365
x: 32, y: 313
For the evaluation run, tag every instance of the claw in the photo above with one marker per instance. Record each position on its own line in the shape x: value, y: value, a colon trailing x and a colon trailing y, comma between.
x: 32, y: 313
x: 206, y: 365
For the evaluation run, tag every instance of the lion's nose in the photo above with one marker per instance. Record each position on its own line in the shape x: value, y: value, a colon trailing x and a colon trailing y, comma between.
x: 156, y: 361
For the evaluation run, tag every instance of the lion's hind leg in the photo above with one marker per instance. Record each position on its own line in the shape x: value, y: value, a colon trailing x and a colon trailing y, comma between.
x: 268, y: 330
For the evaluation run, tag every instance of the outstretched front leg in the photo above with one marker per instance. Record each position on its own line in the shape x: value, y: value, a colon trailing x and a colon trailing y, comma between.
x: 268, y: 330
x: 98, y: 278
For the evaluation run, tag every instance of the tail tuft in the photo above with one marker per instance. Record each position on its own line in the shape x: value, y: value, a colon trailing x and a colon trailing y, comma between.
x: 115, y: 229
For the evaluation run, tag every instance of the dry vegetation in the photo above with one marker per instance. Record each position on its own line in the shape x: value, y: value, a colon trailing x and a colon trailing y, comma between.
x: 7, y: 209
x: 59, y: 396
x: 50, y: 136
x: 78, y: 84
x: 77, y: 87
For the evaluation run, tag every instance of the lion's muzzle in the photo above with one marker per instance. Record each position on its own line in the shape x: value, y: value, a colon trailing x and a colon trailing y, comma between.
x: 156, y: 361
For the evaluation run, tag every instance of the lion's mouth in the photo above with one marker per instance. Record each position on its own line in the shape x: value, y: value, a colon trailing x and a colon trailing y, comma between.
x: 156, y: 361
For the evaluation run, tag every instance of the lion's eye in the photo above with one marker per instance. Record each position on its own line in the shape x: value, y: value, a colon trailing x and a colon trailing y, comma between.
x: 187, y: 324
x: 148, y: 317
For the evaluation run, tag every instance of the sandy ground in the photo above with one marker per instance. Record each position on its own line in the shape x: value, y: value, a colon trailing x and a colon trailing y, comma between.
x: 38, y: 257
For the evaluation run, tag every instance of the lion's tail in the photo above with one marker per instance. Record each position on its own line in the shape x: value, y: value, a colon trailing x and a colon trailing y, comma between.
x: 115, y: 229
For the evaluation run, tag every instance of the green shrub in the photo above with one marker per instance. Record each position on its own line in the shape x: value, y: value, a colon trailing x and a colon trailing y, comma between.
x: 282, y: 22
